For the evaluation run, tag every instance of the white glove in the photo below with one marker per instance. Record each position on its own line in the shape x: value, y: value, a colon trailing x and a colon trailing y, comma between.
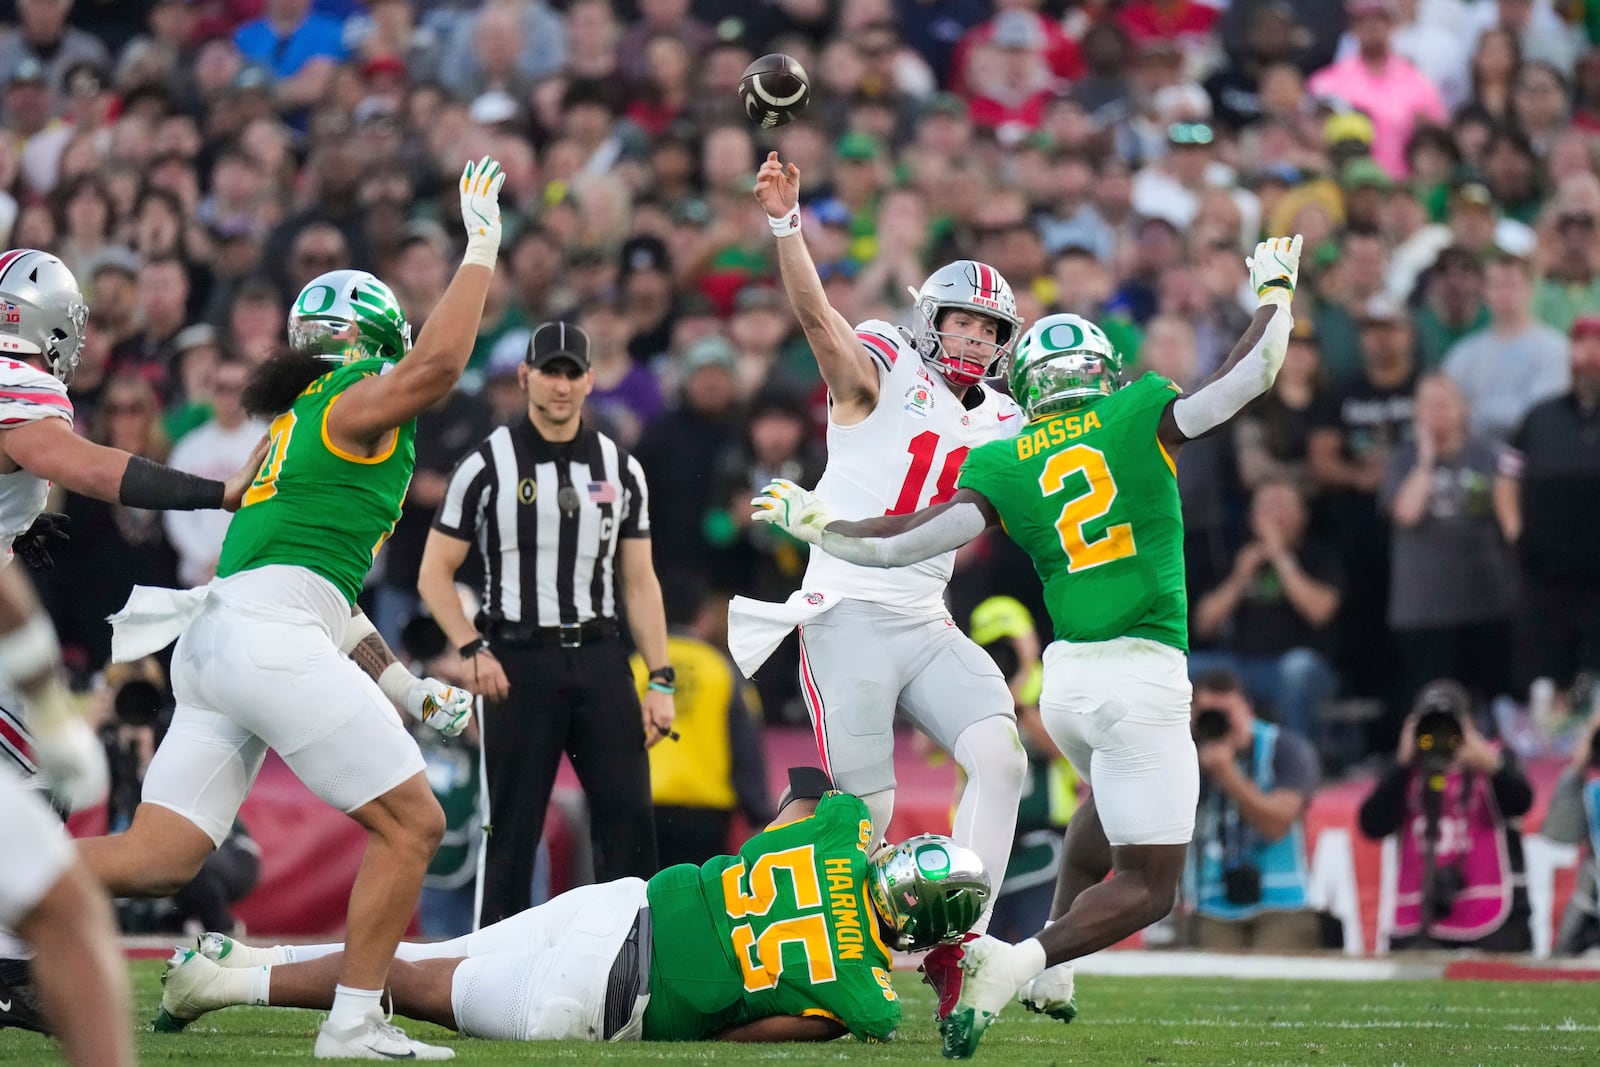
x: 1275, y: 269
x: 480, y: 210
x: 798, y: 512
x: 446, y: 708
x: 69, y: 755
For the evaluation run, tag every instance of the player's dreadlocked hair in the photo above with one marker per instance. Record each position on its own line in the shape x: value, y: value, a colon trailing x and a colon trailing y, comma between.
x: 274, y: 384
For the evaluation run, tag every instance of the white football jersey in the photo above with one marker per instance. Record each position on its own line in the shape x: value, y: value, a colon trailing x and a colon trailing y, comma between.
x: 27, y: 394
x: 901, y: 458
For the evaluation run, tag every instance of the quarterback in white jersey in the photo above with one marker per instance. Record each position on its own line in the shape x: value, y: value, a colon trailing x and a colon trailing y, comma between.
x: 904, y: 410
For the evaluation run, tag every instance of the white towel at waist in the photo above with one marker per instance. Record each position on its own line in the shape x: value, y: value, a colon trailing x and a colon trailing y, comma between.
x: 152, y: 619
x: 756, y: 627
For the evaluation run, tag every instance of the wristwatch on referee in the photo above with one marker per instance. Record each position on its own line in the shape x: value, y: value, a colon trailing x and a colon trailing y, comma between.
x: 664, y: 680
x: 476, y: 645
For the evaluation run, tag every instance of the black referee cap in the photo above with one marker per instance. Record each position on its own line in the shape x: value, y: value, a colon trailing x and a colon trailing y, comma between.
x: 558, y: 340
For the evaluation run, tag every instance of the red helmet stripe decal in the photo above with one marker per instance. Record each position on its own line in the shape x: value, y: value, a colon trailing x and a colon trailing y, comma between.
x: 986, y: 279
x: 9, y: 258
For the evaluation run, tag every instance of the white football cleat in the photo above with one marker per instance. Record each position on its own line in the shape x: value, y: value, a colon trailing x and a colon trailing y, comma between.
x: 1051, y: 993
x: 224, y: 951
x: 986, y: 989
x: 189, y: 989
x: 375, y: 1039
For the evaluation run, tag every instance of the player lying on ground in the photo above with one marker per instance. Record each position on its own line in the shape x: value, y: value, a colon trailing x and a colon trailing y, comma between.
x: 808, y: 917
x: 1089, y: 489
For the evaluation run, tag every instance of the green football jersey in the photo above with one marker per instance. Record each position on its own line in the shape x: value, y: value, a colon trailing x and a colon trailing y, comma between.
x: 1092, y: 497
x: 783, y: 928
x: 313, y: 505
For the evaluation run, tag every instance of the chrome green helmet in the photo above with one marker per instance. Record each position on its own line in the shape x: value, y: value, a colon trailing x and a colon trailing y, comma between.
x: 928, y: 889
x: 1061, y: 362
x: 347, y: 315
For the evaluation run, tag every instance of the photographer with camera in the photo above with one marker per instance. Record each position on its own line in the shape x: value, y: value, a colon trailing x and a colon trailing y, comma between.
x: 140, y: 712
x: 1573, y: 818
x: 1456, y: 799
x: 1247, y: 870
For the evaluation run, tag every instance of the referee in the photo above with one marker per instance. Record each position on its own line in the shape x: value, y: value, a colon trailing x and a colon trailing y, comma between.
x: 559, y: 513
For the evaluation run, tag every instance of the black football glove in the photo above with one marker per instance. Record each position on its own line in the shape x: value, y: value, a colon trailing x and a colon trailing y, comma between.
x: 34, y: 545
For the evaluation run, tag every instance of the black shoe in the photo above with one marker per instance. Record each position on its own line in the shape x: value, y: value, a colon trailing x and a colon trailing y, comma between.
x: 19, y: 1006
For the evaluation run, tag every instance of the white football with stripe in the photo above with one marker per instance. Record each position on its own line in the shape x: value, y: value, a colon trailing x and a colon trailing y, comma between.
x: 774, y: 90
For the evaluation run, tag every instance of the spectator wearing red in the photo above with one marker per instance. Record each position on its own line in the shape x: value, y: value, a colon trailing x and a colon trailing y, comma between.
x: 1060, y: 51
x: 1184, y: 21
x: 1010, y: 81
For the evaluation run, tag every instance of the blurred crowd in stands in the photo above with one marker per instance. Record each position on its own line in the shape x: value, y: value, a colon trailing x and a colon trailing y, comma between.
x: 1415, y: 499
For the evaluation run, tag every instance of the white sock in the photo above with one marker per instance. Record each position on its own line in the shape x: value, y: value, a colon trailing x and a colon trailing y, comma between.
x: 990, y: 753
x: 307, y: 953
x: 259, y: 986
x: 1027, y: 961
x: 352, y: 1007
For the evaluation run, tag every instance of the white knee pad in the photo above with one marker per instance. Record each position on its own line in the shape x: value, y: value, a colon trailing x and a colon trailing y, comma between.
x: 991, y: 749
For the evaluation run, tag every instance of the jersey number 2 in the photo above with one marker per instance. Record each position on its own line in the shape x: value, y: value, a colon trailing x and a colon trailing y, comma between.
x: 1117, y: 541
x: 265, y: 487
x: 923, y: 447
x: 763, y: 966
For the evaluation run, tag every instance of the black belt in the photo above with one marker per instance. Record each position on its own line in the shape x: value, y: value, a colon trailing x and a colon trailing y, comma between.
x: 570, y: 636
x: 629, y: 976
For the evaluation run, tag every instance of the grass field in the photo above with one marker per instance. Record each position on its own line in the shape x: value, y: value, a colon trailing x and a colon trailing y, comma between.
x: 1122, y: 1021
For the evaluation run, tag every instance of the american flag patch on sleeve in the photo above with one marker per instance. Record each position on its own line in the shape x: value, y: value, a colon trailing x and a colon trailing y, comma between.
x: 602, y: 492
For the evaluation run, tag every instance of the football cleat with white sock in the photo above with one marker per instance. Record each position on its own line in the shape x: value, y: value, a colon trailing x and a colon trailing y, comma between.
x: 987, y: 987
x: 189, y: 989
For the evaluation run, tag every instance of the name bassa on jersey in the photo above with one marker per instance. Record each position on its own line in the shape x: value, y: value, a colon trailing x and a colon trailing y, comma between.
x: 906, y: 455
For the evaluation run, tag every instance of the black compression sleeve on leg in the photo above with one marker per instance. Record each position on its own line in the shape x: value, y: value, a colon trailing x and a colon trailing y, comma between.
x: 146, y: 484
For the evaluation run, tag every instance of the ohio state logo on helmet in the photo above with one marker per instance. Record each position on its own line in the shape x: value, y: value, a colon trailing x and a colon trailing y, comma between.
x: 971, y: 286
x: 44, y: 311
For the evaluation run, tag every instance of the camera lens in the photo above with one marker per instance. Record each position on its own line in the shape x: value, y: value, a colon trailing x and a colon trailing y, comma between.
x: 1210, y: 725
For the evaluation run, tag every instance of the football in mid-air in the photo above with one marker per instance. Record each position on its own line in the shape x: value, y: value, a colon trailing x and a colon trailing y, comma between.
x: 774, y: 90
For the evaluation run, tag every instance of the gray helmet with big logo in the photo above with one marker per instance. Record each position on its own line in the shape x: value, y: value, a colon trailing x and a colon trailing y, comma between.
x: 928, y: 889
x: 44, y: 313
x: 346, y: 315
x: 970, y: 286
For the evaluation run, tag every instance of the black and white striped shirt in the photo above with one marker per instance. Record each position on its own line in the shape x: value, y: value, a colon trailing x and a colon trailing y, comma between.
x: 546, y: 518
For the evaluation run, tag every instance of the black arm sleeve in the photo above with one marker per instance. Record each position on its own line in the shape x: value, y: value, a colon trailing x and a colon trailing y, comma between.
x: 147, y: 484
x: 1512, y: 790
x: 1383, y: 811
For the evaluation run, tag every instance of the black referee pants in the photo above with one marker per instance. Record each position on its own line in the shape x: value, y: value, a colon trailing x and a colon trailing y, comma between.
x: 575, y: 700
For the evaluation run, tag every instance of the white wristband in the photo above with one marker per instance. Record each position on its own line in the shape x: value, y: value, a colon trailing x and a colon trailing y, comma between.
x: 481, y: 252
x: 787, y: 226
x: 396, y: 682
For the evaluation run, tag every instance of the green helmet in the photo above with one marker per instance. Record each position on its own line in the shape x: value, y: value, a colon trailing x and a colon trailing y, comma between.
x: 347, y: 315
x: 1061, y: 362
x: 928, y: 889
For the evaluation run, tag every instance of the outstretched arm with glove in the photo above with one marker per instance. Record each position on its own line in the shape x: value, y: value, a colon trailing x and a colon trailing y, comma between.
x: 881, y: 541
x: 1252, y: 366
